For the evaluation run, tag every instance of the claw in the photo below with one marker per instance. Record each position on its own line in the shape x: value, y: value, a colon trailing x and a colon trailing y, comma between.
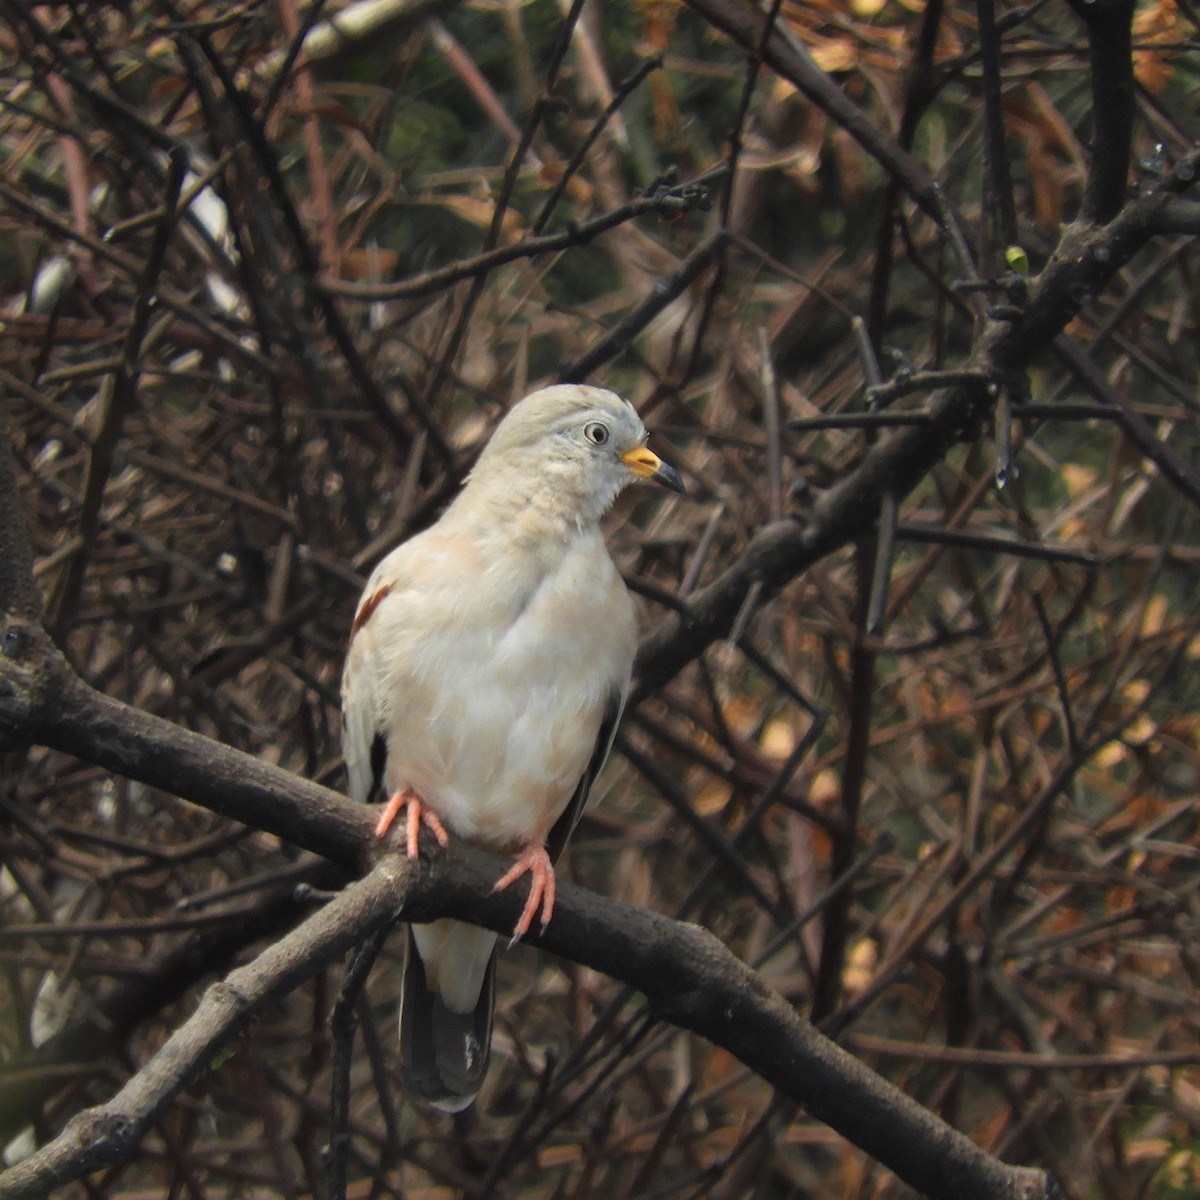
x: 534, y: 862
x: 417, y: 813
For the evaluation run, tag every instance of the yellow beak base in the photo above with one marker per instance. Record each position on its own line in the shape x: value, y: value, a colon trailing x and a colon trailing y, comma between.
x: 647, y: 465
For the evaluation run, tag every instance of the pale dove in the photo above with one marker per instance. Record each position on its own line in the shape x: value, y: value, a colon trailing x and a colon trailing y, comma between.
x: 488, y: 663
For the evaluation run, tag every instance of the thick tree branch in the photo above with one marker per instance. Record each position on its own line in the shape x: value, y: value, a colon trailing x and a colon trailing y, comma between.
x: 190, y: 580
x: 1085, y: 262
x: 43, y: 702
x: 30, y: 1079
x: 1110, y: 40
x: 99, y: 1137
x: 1179, y: 216
x: 688, y: 976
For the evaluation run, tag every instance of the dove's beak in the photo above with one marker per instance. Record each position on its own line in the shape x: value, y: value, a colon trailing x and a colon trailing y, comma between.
x: 647, y: 465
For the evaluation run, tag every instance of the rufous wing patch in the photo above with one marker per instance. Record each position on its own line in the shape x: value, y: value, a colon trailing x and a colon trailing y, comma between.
x: 367, y: 607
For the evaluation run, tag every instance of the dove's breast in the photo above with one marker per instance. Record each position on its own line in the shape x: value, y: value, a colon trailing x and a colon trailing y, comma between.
x: 493, y: 691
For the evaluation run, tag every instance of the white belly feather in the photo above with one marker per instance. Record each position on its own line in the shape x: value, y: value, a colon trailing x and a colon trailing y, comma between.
x: 492, y: 707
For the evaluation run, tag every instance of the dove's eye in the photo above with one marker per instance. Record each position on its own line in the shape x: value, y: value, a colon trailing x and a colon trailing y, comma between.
x: 596, y: 433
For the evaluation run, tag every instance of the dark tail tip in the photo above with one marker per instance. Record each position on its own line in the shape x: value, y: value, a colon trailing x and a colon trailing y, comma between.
x: 443, y: 1054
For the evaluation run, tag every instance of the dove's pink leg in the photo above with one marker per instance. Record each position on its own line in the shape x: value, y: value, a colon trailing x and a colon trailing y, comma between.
x: 534, y: 861
x: 418, y: 813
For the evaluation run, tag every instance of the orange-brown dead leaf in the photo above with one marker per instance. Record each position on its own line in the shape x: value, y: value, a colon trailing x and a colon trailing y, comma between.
x: 1157, y: 32
x: 476, y: 211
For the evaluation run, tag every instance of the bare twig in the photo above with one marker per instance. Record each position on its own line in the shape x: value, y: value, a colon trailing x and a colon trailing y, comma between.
x: 669, y: 202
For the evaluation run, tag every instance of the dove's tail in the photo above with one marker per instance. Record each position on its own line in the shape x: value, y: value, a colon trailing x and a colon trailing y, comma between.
x: 444, y: 1051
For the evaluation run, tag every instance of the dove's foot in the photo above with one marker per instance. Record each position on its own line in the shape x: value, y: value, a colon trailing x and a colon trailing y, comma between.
x: 417, y: 813
x: 534, y: 862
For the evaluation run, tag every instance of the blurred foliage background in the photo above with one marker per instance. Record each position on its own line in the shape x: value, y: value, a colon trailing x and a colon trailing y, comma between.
x: 234, y: 383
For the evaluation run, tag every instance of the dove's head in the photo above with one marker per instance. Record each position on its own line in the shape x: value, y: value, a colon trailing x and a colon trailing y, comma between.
x: 582, y: 444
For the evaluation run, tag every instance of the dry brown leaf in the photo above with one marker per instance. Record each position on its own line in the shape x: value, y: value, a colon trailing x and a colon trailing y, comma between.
x: 1157, y: 25
x: 476, y: 211
x: 835, y: 54
x: 712, y: 797
x: 860, y: 967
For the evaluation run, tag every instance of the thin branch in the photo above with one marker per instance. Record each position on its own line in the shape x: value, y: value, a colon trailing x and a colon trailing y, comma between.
x: 1182, y: 474
x: 880, y: 395
x: 512, y: 172
x: 663, y: 292
x: 624, y: 90
x: 851, y: 420
x: 999, y: 211
x: 119, y: 397
x: 1013, y: 1060
x: 791, y: 62
x: 919, y: 92
x: 668, y: 203
x: 343, y: 1024
x: 18, y: 594
x: 992, y: 543
x: 883, y: 560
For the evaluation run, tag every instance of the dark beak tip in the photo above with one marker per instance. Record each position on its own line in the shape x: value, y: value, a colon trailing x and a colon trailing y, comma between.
x: 670, y: 478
